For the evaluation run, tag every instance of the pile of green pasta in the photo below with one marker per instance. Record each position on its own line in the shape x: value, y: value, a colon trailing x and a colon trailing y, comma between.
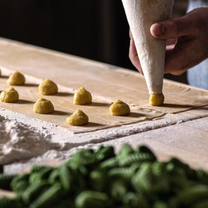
x: 103, y: 179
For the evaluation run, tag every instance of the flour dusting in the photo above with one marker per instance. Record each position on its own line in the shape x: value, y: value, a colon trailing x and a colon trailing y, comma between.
x: 19, y: 141
x: 25, y: 141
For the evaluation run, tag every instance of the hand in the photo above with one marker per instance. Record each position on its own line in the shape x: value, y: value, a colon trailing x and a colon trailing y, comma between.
x: 187, y: 43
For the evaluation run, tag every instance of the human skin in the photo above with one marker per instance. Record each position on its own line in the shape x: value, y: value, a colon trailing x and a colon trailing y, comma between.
x: 187, y: 41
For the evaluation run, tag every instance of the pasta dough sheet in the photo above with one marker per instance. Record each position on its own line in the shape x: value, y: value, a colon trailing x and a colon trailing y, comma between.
x: 116, y: 84
x: 98, y: 112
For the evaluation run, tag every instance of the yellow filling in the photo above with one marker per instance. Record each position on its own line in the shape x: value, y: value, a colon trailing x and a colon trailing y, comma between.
x: 156, y: 99
x: 43, y: 106
x: 119, y: 108
x: 78, y: 118
x: 82, y: 97
x: 48, y: 87
x: 9, y: 96
x: 16, y: 78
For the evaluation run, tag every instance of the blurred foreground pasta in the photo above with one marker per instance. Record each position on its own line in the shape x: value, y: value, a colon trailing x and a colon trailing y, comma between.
x: 103, y: 179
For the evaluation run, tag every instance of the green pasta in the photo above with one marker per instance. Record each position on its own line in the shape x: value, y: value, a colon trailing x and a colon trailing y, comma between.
x: 143, y: 180
x: 32, y: 192
x: 105, y: 153
x: 132, y: 199
x: 98, y: 180
x: 48, y: 198
x: 67, y: 203
x: 182, y: 168
x: 36, y: 177
x: 5, y: 181
x: 54, y: 177
x: 85, y: 158
x: 190, y: 196
x: 159, y: 169
x: 92, y: 199
x: 20, y: 186
x: 110, y: 163
x: 125, y: 149
x: 132, y: 178
x: 9, y: 203
x: 202, y: 176
x: 144, y: 149
x: 118, y: 189
x: 121, y: 172
x: 65, y: 177
x: 135, y: 157
x: 38, y: 168
x: 160, y: 204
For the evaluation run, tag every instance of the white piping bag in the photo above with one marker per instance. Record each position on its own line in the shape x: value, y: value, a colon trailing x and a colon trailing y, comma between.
x: 141, y: 14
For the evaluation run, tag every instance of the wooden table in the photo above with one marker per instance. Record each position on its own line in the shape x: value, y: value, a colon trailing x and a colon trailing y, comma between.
x: 182, y: 131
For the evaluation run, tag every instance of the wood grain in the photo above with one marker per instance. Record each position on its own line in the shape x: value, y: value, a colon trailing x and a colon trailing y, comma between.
x: 106, y: 83
x: 184, y: 137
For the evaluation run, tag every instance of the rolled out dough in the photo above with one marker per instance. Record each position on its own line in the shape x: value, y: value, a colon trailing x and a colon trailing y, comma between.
x: 98, y: 110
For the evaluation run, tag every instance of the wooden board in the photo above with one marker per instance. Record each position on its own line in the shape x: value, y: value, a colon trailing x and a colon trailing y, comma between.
x: 105, y: 82
x: 187, y: 140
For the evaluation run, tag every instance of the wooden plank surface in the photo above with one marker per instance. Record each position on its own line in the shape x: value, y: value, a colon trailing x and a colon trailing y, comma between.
x: 73, y: 72
x: 186, y: 140
x: 106, y: 83
x: 177, y: 133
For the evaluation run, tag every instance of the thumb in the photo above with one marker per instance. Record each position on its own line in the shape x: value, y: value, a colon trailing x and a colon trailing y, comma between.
x: 175, y: 28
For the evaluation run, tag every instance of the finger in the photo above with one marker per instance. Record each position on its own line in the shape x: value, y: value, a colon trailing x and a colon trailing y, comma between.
x: 171, y: 42
x: 180, y: 57
x: 134, y: 56
x: 170, y: 47
x: 130, y: 34
x: 175, y: 28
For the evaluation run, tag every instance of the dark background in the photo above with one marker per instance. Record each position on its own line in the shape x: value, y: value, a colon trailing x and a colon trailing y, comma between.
x: 94, y: 29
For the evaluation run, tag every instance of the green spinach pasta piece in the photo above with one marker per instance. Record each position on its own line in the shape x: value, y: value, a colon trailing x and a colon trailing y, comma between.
x: 180, y: 168
x: 105, y: 153
x: 102, y: 178
x: 39, y: 168
x: 20, y: 183
x: 132, y: 199
x: 98, y: 180
x: 20, y: 186
x: 36, y: 177
x: 66, y: 177
x: 50, y: 197
x: 86, y: 158
x: 110, y: 163
x: 5, y: 181
x: 118, y: 189
x: 135, y: 157
x: 202, y: 176
x: 144, y: 149
x: 125, y: 149
x: 54, y: 177
x: 160, y: 204
x: 121, y: 172
x: 190, y: 197
x: 92, y: 199
x: 143, y: 180
x: 34, y: 191
x: 9, y: 203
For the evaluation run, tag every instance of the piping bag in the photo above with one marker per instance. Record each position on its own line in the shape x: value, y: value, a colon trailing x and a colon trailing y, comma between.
x: 141, y: 14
